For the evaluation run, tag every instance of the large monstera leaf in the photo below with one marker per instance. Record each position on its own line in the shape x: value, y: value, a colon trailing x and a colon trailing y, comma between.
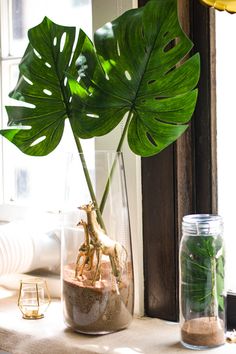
x: 37, y: 128
x: 135, y: 66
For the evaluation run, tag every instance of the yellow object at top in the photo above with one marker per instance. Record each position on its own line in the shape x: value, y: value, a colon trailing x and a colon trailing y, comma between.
x: 222, y: 5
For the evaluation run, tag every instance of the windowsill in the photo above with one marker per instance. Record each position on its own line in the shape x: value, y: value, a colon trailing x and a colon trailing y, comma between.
x: 49, y: 335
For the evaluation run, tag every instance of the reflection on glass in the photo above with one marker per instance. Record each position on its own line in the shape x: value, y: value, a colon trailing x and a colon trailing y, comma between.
x: 17, y: 23
x: 22, y: 183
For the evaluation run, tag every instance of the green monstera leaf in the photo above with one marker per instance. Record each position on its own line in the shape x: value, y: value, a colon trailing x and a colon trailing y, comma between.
x: 38, y: 127
x: 135, y: 66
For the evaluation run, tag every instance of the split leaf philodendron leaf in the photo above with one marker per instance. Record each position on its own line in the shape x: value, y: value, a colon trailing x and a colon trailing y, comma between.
x: 38, y: 127
x: 135, y: 66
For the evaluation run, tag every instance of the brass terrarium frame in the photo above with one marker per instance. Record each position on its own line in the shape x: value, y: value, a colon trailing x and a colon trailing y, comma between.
x: 34, y: 304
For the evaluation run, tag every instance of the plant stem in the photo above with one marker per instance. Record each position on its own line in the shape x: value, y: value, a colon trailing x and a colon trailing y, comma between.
x: 89, y: 183
x: 213, y: 288
x: 119, y: 147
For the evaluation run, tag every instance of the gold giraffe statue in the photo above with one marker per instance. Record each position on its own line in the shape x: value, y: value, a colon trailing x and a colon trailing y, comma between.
x: 96, y: 244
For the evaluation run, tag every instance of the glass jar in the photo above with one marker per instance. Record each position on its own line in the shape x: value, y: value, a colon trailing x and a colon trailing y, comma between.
x: 97, y: 268
x: 202, y: 301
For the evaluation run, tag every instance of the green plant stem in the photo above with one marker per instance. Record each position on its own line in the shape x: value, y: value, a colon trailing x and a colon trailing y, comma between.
x: 213, y: 288
x: 89, y: 183
x: 119, y: 147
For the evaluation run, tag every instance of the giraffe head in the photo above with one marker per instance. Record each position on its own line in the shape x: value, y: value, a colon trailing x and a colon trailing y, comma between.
x: 88, y: 208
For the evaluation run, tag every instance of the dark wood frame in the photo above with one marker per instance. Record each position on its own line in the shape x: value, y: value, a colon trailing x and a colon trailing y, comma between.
x: 181, y: 179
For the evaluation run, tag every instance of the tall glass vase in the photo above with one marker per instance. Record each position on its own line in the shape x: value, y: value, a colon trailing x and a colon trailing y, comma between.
x: 97, y: 268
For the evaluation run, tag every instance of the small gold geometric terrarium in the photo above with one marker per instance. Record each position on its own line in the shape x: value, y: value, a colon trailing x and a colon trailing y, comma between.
x: 34, y: 298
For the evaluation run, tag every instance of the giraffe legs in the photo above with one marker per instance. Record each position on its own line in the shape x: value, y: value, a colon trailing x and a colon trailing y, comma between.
x: 86, y: 251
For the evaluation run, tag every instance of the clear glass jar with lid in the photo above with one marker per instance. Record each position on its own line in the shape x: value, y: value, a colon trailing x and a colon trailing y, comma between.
x: 202, y: 300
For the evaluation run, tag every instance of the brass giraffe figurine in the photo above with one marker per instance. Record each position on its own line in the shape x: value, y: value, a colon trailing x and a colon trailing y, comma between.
x: 98, y: 243
x: 86, y: 251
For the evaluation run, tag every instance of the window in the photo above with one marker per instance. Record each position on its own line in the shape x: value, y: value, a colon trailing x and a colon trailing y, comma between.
x: 18, y: 17
x: 20, y: 173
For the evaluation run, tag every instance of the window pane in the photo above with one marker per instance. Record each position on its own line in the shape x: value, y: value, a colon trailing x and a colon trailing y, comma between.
x: 39, y: 181
x: 22, y: 175
x: 9, y: 78
x: 226, y: 127
x: 29, y: 13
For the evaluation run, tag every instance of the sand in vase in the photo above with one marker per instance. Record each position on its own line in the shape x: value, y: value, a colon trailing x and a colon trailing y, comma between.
x: 203, y: 332
x: 102, y: 308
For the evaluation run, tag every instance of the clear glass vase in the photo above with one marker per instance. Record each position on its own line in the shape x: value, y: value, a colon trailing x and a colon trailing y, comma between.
x: 202, y: 301
x: 97, y: 268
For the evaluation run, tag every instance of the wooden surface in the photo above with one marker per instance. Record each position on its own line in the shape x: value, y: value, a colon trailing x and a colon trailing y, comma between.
x: 160, y: 244
x: 50, y: 335
x: 202, y: 29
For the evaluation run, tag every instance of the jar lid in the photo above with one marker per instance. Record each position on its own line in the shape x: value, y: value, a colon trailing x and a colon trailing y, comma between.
x: 202, y: 224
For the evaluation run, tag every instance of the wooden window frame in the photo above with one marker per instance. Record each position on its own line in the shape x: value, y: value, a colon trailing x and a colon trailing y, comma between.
x: 182, y: 179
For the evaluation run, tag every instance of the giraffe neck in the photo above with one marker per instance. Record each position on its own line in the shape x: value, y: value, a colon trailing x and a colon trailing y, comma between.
x: 93, y: 224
